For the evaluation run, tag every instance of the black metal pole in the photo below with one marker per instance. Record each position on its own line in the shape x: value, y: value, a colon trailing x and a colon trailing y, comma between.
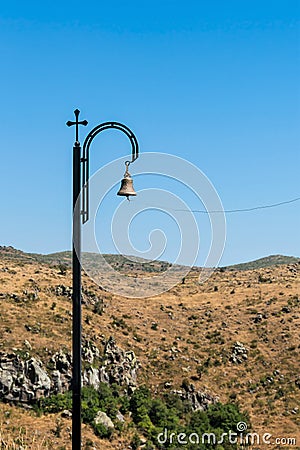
x: 76, y: 253
x: 76, y: 263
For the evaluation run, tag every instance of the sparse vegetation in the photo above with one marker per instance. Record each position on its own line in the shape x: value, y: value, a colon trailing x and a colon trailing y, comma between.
x: 188, y: 332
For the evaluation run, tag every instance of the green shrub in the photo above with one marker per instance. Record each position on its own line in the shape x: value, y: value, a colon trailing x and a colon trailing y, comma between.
x: 124, y: 404
x: 225, y: 417
x: 100, y: 400
x: 101, y: 431
x: 150, y: 415
x: 140, y: 403
x: 135, y: 442
x: 158, y: 413
x: 54, y: 403
x: 62, y: 268
x: 98, y: 307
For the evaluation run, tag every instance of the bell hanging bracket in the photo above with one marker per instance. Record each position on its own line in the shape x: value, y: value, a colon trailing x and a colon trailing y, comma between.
x: 85, y: 162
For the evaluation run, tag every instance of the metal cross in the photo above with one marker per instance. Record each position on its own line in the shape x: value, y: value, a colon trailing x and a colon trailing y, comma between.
x: 77, y: 122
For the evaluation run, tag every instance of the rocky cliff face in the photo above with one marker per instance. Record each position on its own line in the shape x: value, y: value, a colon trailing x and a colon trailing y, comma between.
x: 25, y: 379
x: 22, y: 380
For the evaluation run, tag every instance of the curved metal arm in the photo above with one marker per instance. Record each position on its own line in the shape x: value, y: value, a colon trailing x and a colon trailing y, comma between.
x: 85, y: 159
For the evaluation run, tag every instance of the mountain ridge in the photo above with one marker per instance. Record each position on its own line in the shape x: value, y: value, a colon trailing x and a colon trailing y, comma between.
x: 130, y: 262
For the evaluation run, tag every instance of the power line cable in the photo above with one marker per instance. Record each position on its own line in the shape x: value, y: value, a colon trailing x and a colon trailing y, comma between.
x: 274, y: 205
x: 254, y: 208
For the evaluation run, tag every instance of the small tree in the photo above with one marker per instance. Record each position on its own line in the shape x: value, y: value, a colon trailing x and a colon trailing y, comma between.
x: 62, y: 267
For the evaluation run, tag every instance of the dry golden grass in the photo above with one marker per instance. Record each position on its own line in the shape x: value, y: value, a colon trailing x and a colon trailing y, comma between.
x: 187, y: 333
x: 21, y: 429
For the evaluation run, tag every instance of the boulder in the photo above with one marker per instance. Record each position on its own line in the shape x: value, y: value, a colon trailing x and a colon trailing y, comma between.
x: 102, y: 418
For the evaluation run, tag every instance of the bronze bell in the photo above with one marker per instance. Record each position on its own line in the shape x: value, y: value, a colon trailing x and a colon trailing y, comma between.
x: 126, y: 189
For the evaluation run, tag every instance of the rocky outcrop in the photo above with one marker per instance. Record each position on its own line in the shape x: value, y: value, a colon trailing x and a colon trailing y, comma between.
x: 25, y: 379
x: 22, y: 380
x: 90, y: 353
x: 118, y: 366
x: 198, y: 400
x: 239, y: 353
x: 91, y: 377
x: 63, y: 291
x: 61, y: 372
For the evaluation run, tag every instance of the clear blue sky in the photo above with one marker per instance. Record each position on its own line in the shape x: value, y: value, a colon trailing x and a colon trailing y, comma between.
x: 214, y: 82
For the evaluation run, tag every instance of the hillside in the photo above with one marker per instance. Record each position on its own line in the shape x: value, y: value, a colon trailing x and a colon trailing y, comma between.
x: 118, y: 262
x: 267, y: 261
x: 234, y: 337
